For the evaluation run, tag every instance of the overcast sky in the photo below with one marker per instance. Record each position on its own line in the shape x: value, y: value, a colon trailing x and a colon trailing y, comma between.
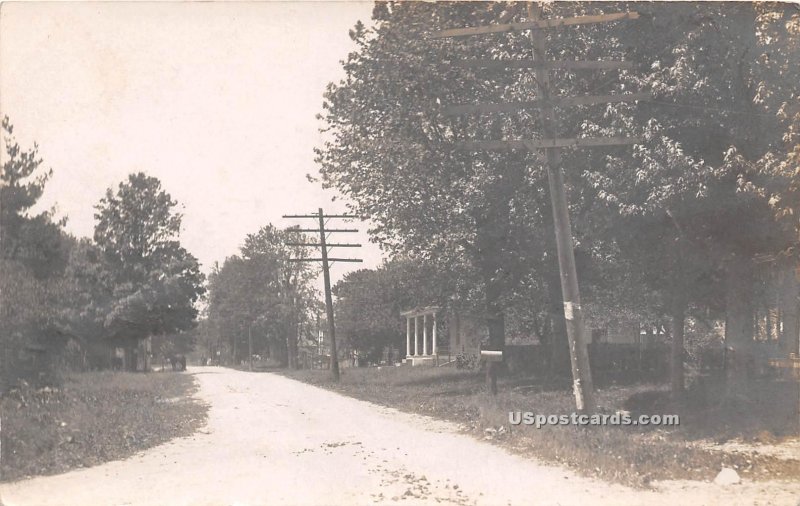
x: 217, y: 100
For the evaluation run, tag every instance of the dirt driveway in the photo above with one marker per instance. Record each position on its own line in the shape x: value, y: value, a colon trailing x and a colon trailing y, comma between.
x: 274, y: 441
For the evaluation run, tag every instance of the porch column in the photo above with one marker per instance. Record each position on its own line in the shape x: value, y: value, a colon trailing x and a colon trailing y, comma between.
x: 408, y: 336
x: 434, y: 333
x: 425, y: 334
x: 416, y: 335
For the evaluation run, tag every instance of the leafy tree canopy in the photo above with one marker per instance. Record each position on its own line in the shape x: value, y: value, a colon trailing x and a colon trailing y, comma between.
x: 156, y: 282
x: 260, y: 291
x: 35, y: 240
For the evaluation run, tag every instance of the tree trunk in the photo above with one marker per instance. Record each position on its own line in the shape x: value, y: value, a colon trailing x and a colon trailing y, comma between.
x: 292, y: 336
x: 130, y: 357
x: 790, y: 312
x: 235, y: 350
x: 291, y: 347
x: 289, y: 354
x: 282, y: 352
x: 739, y: 325
x: 676, y: 357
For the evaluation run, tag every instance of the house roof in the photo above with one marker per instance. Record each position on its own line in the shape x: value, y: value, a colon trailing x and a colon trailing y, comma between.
x: 419, y: 311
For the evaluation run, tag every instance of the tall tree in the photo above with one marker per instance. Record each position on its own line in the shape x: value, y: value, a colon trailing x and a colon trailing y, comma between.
x: 293, y: 298
x: 156, y: 281
x: 261, y: 292
x: 33, y: 251
x: 709, y: 158
x: 388, y: 153
x: 703, y: 184
x: 778, y: 32
x: 392, y: 150
x: 35, y: 240
x: 230, y: 306
x: 88, y: 293
x: 364, y: 313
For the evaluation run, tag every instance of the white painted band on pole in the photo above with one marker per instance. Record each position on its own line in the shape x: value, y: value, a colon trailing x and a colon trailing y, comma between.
x: 570, y: 309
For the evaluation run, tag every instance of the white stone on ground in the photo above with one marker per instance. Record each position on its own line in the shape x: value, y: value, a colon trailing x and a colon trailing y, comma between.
x: 727, y: 477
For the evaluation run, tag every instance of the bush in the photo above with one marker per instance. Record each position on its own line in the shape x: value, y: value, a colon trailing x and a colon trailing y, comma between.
x: 467, y: 361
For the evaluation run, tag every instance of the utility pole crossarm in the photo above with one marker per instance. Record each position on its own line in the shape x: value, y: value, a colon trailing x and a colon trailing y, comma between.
x: 327, y: 230
x: 323, y: 260
x: 316, y: 244
x: 581, y: 142
x: 549, y: 65
x: 315, y: 216
x: 533, y: 25
x: 562, y: 102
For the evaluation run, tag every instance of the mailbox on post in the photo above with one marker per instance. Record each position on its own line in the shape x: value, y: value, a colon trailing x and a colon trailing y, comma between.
x: 492, y: 356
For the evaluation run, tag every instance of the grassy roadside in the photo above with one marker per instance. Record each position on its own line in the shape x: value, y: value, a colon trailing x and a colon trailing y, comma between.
x: 93, y: 418
x: 630, y: 455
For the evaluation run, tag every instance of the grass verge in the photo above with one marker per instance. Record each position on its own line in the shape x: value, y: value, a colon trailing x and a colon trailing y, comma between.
x: 625, y: 454
x: 93, y: 418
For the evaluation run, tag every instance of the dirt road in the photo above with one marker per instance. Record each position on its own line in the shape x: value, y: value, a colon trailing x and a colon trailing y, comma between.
x: 273, y: 441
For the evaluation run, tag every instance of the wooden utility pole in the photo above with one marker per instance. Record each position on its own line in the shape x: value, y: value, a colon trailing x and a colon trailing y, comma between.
x: 579, y: 356
x: 325, y: 260
x: 1, y: 449
x: 326, y: 274
x: 236, y: 350
x: 578, y: 352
